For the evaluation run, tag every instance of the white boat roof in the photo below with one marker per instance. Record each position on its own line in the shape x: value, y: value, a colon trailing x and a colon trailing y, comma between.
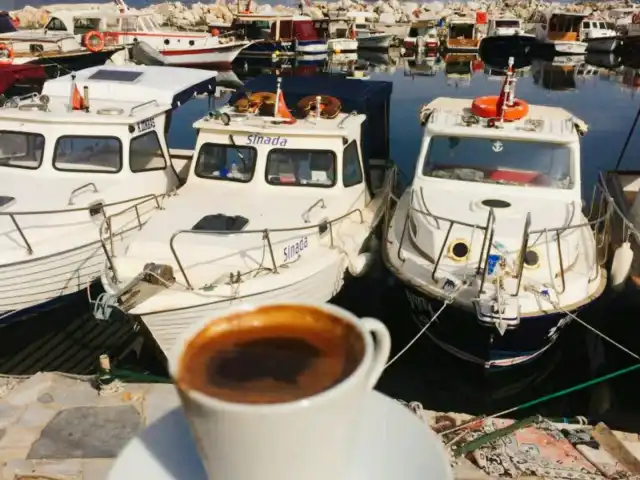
x: 462, y: 20
x: 554, y: 124
x: 135, y: 83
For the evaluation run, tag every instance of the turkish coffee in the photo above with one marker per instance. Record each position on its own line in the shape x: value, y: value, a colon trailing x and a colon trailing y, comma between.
x: 273, y: 354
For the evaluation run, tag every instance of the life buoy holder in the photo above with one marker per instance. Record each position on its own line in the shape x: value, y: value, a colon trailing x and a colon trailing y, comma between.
x: 9, y: 55
x: 255, y: 102
x: 329, y: 106
x: 489, y: 107
x: 94, y: 41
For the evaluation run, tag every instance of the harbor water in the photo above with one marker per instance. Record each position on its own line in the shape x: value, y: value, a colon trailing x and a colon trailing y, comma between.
x: 69, y: 339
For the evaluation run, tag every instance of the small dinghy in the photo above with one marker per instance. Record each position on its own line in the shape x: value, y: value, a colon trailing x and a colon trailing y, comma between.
x: 87, y: 156
x: 492, y: 225
x: 278, y: 205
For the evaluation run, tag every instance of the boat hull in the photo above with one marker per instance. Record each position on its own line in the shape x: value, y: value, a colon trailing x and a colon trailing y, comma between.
x: 218, y: 55
x: 507, y: 46
x: 382, y: 41
x: 342, y: 45
x: 458, y: 331
x: 605, y: 44
x: 168, y: 325
x: 311, y: 47
x: 268, y: 49
x: 54, y: 66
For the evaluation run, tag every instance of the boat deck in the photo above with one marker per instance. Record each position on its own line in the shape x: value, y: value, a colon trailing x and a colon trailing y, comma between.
x: 56, y: 426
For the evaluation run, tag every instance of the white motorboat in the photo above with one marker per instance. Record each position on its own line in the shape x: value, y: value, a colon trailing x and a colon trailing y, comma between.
x: 559, y: 31
x: 342, y: 40
x: 98, y: 29
x: 506, y: 37
x: 366, y: 35
x: 275, y: 207
x: 423, y: 35
x: 69, y: 160
x: 493, y: 225
x: 463, y: 35
x: 598, y: 36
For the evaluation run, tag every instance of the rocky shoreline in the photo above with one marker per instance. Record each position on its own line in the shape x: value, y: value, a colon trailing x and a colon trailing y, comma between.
x: 387, y: 12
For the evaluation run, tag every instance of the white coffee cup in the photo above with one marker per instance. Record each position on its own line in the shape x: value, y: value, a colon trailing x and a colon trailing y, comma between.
x: 307, y: 439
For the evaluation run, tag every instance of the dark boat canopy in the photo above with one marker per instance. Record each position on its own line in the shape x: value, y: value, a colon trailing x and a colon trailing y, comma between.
x: 368, y: 97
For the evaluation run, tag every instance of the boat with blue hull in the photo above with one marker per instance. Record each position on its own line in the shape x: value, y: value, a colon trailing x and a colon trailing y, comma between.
x: 278, y: 35
x: 490, y: 240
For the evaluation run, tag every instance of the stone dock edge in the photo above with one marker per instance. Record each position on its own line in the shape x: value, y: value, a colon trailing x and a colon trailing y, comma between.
x: 55, y: 426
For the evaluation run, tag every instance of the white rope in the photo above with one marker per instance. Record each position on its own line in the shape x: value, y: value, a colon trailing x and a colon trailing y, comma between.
x: 113, y: 388
x: 574, y: 317
x: 446, y: 303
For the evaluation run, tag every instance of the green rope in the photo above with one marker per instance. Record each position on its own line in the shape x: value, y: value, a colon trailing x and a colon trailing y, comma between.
x: 573, y: 389
x: 129, y: 376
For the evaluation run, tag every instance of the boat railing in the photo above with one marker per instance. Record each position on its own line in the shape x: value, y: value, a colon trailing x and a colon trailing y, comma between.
x: 326, y: 225
x: 92, y: 209
x: 599, y: 224
x: 107, y: 223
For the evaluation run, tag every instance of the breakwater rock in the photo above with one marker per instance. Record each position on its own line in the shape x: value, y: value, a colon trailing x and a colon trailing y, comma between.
x: 385, y: 11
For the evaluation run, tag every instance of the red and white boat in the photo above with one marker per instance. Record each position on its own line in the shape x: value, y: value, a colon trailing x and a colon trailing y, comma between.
x: 99, y: 28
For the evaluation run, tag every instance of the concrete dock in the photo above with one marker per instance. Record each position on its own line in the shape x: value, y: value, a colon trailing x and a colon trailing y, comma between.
x: 60, y: 427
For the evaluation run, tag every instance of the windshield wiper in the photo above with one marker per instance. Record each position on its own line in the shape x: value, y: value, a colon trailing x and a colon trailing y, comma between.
x: 235, y: 145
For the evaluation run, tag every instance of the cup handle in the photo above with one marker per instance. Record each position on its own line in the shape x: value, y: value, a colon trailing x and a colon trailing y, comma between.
x: 381, y: 351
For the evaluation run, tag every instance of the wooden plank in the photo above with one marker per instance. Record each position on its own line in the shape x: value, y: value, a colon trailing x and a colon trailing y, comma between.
x: 616, y: 448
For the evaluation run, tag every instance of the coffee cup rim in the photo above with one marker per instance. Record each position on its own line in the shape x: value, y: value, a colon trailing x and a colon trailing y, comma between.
x: 175, y: 355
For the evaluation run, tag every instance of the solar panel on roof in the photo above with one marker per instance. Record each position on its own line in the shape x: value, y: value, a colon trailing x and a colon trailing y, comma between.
x: 115, y: 75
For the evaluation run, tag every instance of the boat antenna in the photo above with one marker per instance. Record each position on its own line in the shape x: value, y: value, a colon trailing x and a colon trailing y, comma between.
x: 626, y: 143
x: 71, y: 92
x: 278, y: 90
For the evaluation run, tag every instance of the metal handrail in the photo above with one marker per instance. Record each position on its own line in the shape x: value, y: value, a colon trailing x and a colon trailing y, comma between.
x: 12, y: 215
x: 305, y: 214
x: 489, y: 232
x: 266, y: 236
x: 142, y: 105
x: 75, y: 190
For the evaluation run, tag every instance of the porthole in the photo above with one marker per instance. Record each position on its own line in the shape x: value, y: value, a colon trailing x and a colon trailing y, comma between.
x: 531, y: 259
x: 459, y: 250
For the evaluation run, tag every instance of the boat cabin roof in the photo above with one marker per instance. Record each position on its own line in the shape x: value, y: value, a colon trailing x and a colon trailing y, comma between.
x: 366, y: 97
x: 360, y: 15
x: 463, y: 20
x: 118, y: 94
x: 562, y: 13
x: 543, y: 123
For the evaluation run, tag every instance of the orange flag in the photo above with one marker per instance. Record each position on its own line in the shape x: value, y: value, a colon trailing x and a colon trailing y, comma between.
x: 77, y: 102
x: 283, y: 111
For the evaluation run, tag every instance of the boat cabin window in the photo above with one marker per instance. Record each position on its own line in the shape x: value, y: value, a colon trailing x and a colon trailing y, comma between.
x: 129, y: 24
x: 500, y: 161
x: 85, y: 25
x: 303, y: 168
x: 226, y: 162
x: 20, y: 149
x: 145, y: 153
x: 362, y: 26
x: 507, y: 23
x: 56, y: 25
x: 461, y: 30
x: 88, y: 154
x: 351, y: 168
x: 586, y: 24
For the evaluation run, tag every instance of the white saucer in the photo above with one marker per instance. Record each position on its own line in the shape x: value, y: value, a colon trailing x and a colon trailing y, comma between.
x: 392, y: 444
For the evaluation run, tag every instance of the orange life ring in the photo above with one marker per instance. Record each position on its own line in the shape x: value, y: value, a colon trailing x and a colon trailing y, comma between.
x: 10, y: 54
x: 416, y: 13
x: 488, y: 107
x: 329, y: 106
x: 94, y: 41
x: 215, y: 32
x: 255, y: 102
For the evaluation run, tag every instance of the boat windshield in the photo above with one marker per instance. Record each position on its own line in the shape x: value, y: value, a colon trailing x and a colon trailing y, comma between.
x: 20, y: 149
x: 226, y: 162
x: 88, y: 154
x: 507, y: 23
x: 501, y: 161
x: 306, y: 168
